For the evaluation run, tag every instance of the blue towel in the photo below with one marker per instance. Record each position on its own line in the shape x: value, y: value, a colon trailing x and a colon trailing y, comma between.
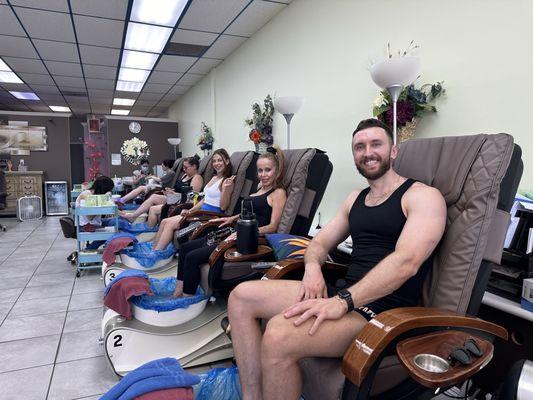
x: 146, y: 256
x: 130, y: 206
x: 127, y: 273
x: 151, y: 372
x: 122, y: 234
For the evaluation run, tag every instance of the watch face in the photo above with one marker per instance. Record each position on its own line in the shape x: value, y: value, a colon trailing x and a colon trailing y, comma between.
x: 134, y: 127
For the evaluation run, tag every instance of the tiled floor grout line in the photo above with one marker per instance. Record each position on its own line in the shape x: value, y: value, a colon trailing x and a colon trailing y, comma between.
x: 61, y: 334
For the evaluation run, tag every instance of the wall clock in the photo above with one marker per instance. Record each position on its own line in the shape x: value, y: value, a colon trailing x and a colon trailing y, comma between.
x: 134, y: 127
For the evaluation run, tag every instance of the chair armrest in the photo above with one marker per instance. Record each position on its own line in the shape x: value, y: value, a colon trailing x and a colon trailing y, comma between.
x: 202, y: 215
x: 198, y: 232
x: 224, y: 245
x: 284, y: 267
x: 387, y: 326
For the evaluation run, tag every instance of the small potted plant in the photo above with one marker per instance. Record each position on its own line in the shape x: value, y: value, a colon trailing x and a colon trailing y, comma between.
x: 260, y: 125
x: 206, y: 139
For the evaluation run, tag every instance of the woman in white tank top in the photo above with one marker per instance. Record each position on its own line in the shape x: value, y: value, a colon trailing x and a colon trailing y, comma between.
x: 217, y: 197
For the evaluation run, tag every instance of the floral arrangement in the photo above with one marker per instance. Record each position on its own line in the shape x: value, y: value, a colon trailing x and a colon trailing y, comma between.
x: 411, y: 105
x: 134, y: 150
x: 94, y: 155
x: 260, y: 123
x: 206, y: 139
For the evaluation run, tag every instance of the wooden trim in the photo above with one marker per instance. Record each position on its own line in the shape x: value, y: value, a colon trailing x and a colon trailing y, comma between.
x: 198, y: 232
x: 376, y: 335
x: 225, y: 245
x: 441, y: 344
x: 262, y: 251
x: 202, y: 215
x: 284, y: 267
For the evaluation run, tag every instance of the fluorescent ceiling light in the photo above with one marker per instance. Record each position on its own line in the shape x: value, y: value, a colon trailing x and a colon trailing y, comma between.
x: 120, y: 112
x: 3, y: 66
x: 133, y: 75
x: 126, y: 86
x: 148, y: 38
x: 25, y: 95
x: 9, y: 77
x: 59, y: 108
x: 139, y: 60
x: 123, y: 102
x: 158, y: 12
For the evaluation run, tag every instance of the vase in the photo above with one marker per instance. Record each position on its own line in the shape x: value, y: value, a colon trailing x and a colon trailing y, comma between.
x: 407, y: 131
x: 261, y: 148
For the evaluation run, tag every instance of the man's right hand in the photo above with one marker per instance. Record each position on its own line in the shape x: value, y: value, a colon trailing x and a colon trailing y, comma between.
x: 313, y: 284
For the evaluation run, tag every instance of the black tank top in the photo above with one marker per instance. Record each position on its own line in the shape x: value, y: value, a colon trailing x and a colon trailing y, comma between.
x: 375, y: 231
x: 262, y: 210
x: 180, y: 183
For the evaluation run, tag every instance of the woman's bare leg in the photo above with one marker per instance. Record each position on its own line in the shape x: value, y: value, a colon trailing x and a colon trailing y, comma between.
x: 166, y: 231
x: 153, y: 215
x: 154, y: 200
x: 134, y: 193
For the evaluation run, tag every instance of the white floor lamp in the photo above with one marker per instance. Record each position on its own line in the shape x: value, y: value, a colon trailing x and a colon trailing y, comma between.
x: 288, y: 106
x: 393, y: 74
x: 174, y: 142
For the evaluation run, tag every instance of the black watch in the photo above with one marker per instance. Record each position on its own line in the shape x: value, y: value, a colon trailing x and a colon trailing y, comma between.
x: 345, y: 295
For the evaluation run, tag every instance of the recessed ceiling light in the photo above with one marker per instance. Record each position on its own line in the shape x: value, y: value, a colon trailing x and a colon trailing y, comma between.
x: 120, y: 112
x: 126, y: 86
x: 25, y: 95
x: 59, y: 108
x: 138, y: 59
x: 9, y: 77
x: 158, y: 12
x: 3, y: 66
x: 148, y: 38
x: 123, y: 102
x: 133, y: 75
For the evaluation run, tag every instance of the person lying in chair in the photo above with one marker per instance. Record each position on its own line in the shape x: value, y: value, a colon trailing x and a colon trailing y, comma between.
x: 267, y: 203
x: 217, y: 197
x: 395, y: 225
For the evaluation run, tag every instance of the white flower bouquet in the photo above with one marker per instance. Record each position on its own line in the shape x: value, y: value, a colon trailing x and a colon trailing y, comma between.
x: 134, y: 150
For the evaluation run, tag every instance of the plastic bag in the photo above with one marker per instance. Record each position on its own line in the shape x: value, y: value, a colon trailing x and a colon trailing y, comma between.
x: 162, y: 299
x: 219, y: 384
x: 125, y: 225
x: 143, y: 253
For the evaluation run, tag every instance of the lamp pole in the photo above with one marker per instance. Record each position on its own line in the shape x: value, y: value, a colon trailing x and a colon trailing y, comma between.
x: 394, y: 92
x: 288, y: 118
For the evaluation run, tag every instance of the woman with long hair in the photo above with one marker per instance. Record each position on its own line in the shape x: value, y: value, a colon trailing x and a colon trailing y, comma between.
x: 101, y: 185
x: 217, y: 197
x: 268, y: 203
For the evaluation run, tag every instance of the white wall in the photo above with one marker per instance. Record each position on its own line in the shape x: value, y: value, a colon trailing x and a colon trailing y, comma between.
x: 320, y: 49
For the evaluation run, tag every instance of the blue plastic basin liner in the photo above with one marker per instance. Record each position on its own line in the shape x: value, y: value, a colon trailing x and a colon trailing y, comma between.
x: 162, y: 299
x: 146, y: 257
x: 127, y: 226
x: 130, y: 206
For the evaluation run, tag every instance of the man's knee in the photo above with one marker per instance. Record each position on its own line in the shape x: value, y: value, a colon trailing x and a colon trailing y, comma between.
x: 242, y: 295
x: 276, y: 342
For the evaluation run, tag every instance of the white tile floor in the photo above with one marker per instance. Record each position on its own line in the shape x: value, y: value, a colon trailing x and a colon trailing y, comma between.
x: 49, y: 319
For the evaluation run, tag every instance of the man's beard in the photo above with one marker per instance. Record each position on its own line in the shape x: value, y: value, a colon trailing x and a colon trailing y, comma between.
x: 384, y: 166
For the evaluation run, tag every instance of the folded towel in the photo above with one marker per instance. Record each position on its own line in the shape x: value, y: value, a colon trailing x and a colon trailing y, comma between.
x: 113, y: 247
x: 164, y: 367
x: 118, y: 296
x: 127, y: 273
x: 168, y: 394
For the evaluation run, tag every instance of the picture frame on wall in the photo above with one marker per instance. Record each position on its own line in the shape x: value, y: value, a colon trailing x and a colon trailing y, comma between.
x: 56, y: 197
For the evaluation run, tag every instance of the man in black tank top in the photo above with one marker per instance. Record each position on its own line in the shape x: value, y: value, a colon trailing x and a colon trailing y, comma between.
x: 395, y: 225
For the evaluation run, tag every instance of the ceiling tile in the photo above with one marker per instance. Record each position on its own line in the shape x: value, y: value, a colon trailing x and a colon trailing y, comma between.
x: 193, y: 37
x: 25, y: 65
x: 150, y: 96
x: 101, y: 110
x: 178, y: 89
x: 254, y: 17
x: 99, y: 31
x: 64, y: 68
x: 46, y: 89
x: 19, y: 107
x: 17, y: 47
x: 164, y: 77
x: 77, y: 89
x: 38, y: 79
x: 171, y: 97
x: 204, y: 65
x: 100, y: 93
x: 9, y: 25
x: 141, y: 109
x: 190, y: 79
x: 156, y: 88
x: 211, y: 15
x: 54, y: 5
x: 99, y: 72
x: 99, y: 55
x: 39, y: 107
x: 125, y: 95
x: 224, y: 46
x: 100, y: 83
x: 19, y: 87
x: 46, y: 24
x: 77, y: 101
x: 168, y: 103
x: 144, y: 103
x: 57, y: 51
x: 174, y: 63
x: 101, y: 8
x: 52, y: 98
x: 69, y: 81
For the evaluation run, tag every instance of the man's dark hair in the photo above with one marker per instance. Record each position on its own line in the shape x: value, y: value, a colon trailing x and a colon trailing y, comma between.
x: 373, y: 123
x: 102, y: 185
x: 144, y: 161
x: 168, y: 163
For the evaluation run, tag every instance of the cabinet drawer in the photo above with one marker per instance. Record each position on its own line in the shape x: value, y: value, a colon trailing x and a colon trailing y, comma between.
x: 11, y: 187
x: 24, y: 187
x: 28, y: 180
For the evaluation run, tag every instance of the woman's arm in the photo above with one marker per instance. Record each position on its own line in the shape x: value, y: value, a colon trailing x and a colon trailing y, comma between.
x: 227, y: 190
x: 278, y: 198
x: 197, y: 182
